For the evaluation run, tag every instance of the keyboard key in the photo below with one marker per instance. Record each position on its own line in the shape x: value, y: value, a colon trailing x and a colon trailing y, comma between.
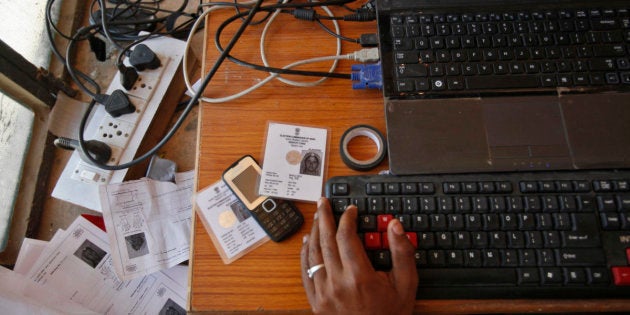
x: 621, y: 275
x: 466, y: 277
x: 372, y: 240
x: 580, y: 257
x: 382, y: 221
x: 552, y: 276
x: 598, y: 276
x: 575, y: 276
x: 411, y: 70
x: 585, y: 233
x: 367, y: 223
x: 528, y: 276
x: 419, y: 222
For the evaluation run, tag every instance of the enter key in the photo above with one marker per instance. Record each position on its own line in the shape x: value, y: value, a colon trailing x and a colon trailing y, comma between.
x: 585, y: 232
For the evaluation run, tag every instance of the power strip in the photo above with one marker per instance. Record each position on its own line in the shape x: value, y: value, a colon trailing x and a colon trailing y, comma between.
x: 79, y: 182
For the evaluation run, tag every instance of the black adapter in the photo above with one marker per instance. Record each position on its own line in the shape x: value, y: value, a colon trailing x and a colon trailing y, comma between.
x: 98, y: 47
x: 117, y: 103
x: 98, y: 150
x: 128, y: 76
x: 142, y: 57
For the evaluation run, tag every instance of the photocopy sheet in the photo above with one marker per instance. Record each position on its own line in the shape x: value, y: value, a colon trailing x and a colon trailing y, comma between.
x: 232, y: 228
x: 78, y: 267
x: 29, y: 252
x: 18, y: 296
x: 148, y: 223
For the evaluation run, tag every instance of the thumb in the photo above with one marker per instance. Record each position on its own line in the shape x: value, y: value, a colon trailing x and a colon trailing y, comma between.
x: 404, y: 273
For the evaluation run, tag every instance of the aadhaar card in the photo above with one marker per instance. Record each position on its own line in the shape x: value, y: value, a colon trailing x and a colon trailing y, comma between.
x: 294, y: 163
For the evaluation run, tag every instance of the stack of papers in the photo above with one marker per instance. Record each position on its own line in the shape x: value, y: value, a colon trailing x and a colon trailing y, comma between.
x: 133, y: 268
x: 74, y: 274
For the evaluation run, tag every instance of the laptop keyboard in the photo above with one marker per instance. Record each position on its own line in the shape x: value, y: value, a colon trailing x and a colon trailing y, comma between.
x: 440, y: 54
x: 503, y: 235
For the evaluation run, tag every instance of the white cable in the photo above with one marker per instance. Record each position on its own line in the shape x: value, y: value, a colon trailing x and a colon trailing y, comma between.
x: 194, y: 27
x: 263, y: 55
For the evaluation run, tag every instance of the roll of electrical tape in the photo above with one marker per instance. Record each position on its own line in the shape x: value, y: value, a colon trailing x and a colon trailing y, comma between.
x: 367, y: 131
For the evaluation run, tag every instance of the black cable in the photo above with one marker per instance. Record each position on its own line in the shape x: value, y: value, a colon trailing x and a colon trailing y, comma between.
x: 269, y: 69
x: 56, y: 51
x: 119, y: 61
x: 104, y: 24
x: 265, y: 18
x: 49, y: 20
x: 329, y: 31
x: 133, y: 8
x: 186, y: 111
x: 73, y: 72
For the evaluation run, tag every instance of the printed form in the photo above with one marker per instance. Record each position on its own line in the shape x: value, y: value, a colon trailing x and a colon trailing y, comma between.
x: 148, y: 223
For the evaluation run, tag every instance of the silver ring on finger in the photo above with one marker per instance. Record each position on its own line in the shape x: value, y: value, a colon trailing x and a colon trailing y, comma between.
x: 311, y: 271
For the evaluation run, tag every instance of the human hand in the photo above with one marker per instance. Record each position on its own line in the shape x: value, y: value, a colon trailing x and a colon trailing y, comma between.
x: 348, y: 284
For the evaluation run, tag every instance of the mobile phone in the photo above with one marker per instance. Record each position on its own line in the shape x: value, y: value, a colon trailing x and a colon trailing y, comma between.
x: 278, y: 217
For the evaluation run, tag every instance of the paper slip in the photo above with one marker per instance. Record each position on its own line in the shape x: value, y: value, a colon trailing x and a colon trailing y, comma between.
x: 294, y: 162
x: 148, y: 223
x: 230, y: 225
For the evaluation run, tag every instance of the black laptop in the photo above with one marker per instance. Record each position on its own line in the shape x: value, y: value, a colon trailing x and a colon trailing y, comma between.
x: 488, y: 86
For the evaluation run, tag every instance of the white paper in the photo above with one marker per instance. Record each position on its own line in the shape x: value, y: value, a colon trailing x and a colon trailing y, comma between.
x: 293, y: 166
x: 233, y: 229
x: 148, y: 222
x: 18, y: 295
x: 77, y: 266
x: 28, y: 255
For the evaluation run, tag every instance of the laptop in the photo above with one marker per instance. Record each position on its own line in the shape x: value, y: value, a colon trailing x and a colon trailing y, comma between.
x: 492, y: 86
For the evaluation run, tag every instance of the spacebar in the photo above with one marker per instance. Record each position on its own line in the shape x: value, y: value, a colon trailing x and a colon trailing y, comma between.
x: 502, y: 82
x: 431, y: 277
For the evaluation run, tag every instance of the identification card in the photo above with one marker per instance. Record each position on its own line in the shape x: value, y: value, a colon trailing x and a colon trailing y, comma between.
x: 294, y: 162
x: 230, y: 225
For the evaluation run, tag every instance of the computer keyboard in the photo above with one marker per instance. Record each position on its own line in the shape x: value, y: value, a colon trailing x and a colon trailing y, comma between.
x: 467, y: 53
x: 500, y: 235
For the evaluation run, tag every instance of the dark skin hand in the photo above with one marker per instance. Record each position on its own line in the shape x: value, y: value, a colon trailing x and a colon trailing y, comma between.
x: 348, y: 284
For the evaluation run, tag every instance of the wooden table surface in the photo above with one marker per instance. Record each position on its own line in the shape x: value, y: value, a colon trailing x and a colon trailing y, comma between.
x: 268, y: 278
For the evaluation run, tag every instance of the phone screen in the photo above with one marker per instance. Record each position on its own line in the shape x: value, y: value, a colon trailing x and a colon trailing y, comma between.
x: 247, y: 182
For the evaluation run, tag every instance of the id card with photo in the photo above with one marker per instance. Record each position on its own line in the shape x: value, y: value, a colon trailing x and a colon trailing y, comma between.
x: 294, y: 162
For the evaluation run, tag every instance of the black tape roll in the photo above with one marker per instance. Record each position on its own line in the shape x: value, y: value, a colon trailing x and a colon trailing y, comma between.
x: 370, y: 132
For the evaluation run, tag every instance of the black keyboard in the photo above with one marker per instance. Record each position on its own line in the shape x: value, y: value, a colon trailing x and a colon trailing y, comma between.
x: 579, y: 50
x: 503, y: 235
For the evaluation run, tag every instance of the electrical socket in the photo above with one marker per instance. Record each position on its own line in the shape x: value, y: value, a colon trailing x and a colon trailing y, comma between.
x: 79, y: 182
x: 147, y: 81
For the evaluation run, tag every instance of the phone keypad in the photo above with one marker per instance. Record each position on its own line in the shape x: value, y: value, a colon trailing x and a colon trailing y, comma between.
x: 280, y: 222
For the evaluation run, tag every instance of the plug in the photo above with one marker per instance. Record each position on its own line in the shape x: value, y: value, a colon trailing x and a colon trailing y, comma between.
x: 367, y: 76
x: 117, y: 103
x: 98, y: 47
x: 361, y: 15
x: 142, y: 57
x: 128, y: 76
x: 368, y: 40
x: 98, y: 150
x: 366, y: 55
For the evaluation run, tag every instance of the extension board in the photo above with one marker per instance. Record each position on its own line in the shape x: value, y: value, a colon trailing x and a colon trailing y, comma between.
x: 79, y: 182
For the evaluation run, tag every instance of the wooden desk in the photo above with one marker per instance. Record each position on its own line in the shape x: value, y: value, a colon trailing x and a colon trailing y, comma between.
x: 268, y: 279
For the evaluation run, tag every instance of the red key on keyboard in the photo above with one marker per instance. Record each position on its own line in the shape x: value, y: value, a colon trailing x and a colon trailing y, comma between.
x: 382, y: 221
x: 372, y: 240
x: 621, y: 275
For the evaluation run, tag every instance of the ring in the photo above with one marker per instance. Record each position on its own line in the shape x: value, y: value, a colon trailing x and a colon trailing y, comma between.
x: 311, y: 271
